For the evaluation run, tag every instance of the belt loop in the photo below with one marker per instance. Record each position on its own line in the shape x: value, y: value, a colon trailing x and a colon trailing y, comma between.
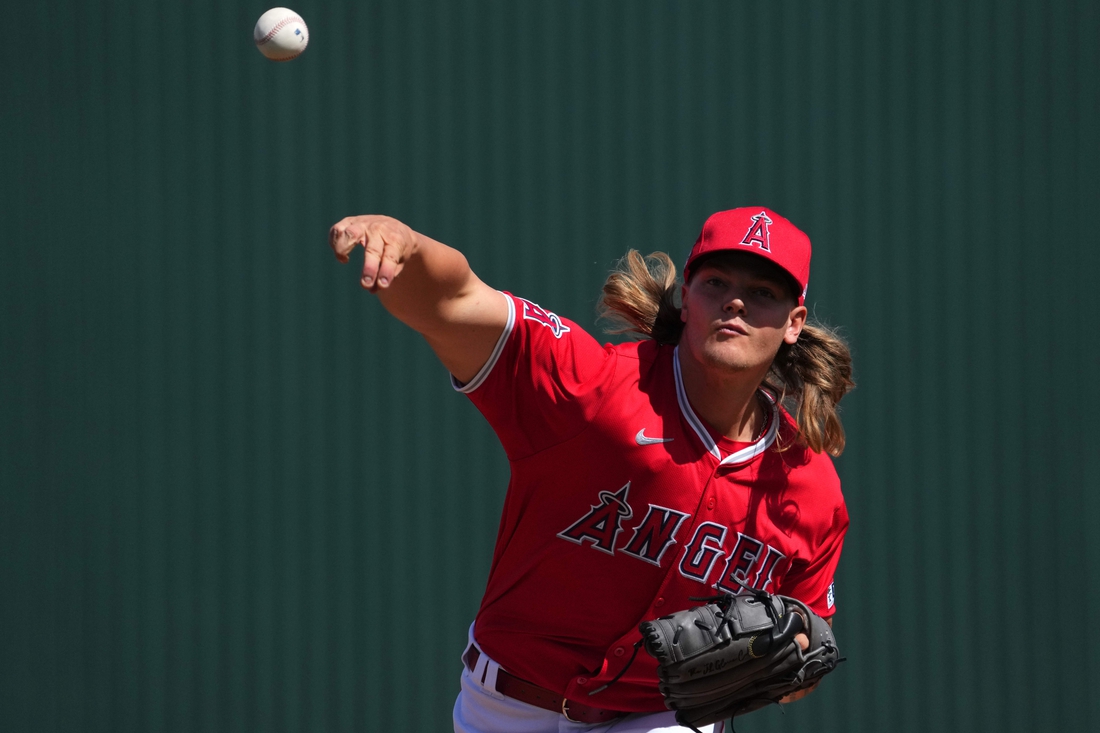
x: 490, y: 677
x: 484, y: 671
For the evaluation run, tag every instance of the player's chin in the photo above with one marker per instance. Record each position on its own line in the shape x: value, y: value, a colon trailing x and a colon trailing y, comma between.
x: 728, y: 355
x: 732, y: 349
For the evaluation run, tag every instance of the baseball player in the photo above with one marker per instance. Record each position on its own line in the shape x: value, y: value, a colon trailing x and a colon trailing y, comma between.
x: 692, y: 462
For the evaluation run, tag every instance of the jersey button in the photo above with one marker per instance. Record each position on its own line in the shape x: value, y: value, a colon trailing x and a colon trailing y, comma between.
x: 710, y: 503
x: 619, y: 651
x: 582, y: 681
x: 659, y: 602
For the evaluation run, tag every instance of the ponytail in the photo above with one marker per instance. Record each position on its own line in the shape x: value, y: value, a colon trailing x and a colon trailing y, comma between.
x: 642, y: 296
x: 814, y: 373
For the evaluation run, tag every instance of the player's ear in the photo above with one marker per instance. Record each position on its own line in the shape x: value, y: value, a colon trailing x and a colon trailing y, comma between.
x: 683, y: 303
x: 795, y: 322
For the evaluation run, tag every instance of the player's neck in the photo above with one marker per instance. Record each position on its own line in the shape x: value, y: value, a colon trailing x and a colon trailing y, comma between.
x: 726, y: 402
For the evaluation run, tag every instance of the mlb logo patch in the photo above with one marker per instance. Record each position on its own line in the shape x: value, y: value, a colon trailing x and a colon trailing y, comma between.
x: 830, y: 597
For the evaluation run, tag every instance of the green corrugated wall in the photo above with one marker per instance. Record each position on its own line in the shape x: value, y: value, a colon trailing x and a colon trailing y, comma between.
x: 235, y: 496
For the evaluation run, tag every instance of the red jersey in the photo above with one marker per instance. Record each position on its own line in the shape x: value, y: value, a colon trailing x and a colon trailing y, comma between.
x: 622, y: 505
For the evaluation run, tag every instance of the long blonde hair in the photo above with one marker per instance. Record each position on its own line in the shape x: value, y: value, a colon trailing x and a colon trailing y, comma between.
x: 809, y: 377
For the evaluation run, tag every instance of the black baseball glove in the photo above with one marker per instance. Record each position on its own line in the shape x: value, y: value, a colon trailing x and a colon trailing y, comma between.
x: 737, y: 654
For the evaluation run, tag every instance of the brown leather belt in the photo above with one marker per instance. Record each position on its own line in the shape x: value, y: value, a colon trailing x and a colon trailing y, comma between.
x: 511, y: 686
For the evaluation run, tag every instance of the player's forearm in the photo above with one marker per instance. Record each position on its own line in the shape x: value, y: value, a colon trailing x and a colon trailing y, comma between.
x: 432, y: 284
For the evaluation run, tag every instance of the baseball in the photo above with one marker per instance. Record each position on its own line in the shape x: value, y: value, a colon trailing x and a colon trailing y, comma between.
x: 281, y: 34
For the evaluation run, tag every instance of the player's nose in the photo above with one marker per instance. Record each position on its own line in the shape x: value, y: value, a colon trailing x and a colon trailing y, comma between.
x: 734, y: 304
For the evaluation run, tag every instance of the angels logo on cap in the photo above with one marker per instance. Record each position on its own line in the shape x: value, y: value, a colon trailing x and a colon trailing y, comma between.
x: 762, y: 232
x: 758, y: 232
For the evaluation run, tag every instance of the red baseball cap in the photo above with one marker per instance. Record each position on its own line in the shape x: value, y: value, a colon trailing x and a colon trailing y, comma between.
x: 762, y: 232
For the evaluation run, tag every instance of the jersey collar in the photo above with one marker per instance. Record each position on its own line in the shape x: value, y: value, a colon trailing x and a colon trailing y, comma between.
x: 745, y: 454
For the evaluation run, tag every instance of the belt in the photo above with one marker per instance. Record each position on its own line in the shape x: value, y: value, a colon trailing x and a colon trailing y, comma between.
x: 511, y: 686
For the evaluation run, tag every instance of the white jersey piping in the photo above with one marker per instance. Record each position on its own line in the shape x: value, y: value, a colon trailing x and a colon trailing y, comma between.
x: 745, y: 454
x: 483, y: 373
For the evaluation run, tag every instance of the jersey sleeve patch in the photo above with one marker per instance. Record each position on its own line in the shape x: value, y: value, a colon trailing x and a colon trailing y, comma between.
x: 493, y: 357
x: 544, y: 381
x: 533, y: 312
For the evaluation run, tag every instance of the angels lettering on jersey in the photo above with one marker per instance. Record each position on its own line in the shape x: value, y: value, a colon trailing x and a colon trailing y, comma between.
x: 749, y: 562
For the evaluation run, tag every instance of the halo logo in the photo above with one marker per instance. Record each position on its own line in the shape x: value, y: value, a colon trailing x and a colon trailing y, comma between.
x: 758, y: 234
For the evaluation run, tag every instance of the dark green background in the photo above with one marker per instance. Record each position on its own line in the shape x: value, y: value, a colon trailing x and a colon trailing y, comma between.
x: 235, y: 496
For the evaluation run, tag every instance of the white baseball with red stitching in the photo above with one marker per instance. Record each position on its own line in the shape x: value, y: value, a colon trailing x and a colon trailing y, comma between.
x: 281, y: 34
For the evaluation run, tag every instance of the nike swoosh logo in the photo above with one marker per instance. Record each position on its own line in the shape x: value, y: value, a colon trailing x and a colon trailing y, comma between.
x: 642, y: 439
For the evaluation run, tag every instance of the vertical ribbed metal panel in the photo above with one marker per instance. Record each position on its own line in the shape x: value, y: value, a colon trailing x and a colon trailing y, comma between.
x: 223, y: 469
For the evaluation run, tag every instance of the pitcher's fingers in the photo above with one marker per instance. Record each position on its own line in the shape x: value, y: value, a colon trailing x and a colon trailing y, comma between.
x: 343, y: 237
x: 803, y: 641
x: 389, y: 265
x: 372, y: 257
x: 336, y: 233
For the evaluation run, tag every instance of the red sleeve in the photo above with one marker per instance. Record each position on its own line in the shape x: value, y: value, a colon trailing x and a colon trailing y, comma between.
x: 812, y: 582
x: 543, y: 382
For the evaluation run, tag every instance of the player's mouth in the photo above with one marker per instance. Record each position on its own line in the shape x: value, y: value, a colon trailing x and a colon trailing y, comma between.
x: 731, y: 329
